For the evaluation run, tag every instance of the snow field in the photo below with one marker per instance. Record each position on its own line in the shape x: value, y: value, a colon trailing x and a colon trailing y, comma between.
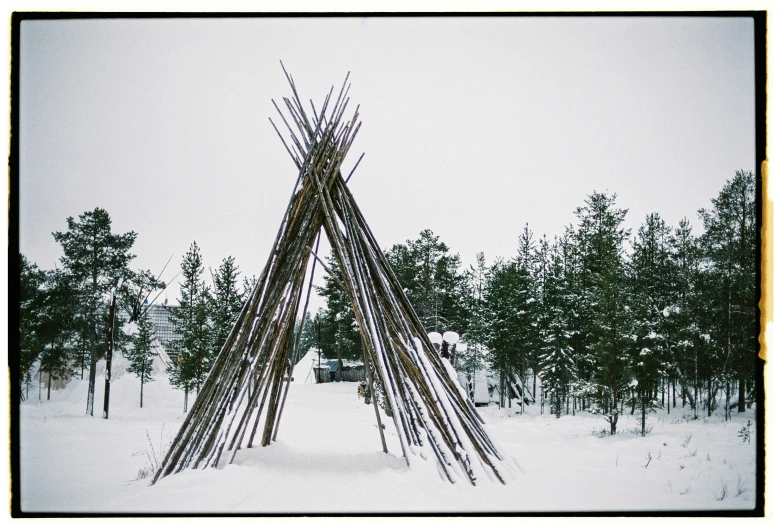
x: 328, y: 459
x: 575, y: 468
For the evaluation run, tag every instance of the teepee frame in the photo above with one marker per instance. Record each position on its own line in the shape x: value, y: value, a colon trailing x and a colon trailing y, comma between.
x: 247, y: 381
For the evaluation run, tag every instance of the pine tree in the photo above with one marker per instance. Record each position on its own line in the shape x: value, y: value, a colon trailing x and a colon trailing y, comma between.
x: 729, y: 245
x: 339, y: 336
x: 651, y: 298
x: 135, y: 291
x: 428, y: 253
x: 97, y: 261
x: 31, y: 319
x: 59, y: 327
x: 401, y: 259
x: 141, y: 355
x: 685, y: 333
x: 430, y: 276
x: 248, y: 284
x: 601, y: 240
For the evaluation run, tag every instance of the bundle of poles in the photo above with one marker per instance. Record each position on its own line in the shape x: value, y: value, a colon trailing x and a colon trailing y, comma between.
x: 249, y: 381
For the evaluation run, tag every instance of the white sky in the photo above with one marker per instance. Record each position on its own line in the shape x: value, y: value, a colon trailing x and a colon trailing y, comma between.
x: 471, y: 126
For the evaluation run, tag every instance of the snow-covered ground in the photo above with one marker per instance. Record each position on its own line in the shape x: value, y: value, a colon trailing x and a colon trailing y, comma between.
x: 328, y: 459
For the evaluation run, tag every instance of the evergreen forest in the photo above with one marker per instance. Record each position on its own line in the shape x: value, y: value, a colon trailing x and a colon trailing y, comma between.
x: 598, y: 318
x: 603, y: 317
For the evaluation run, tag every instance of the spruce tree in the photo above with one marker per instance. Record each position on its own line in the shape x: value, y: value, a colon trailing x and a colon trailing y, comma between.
x: 141, y: 355
x: 225, y: 302
x: 572, y: 251
x: 194, y: 348
x: 526, y: 304
x: 503, y: 339
x: 476, y: 334
x: 541, y: 262
x: 557, y: 364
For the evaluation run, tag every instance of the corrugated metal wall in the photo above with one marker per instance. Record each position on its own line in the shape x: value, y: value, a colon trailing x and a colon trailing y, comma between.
x: 354, y: 375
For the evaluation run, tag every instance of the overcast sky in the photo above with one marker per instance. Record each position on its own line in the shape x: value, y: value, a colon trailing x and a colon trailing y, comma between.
x: 472, y: 127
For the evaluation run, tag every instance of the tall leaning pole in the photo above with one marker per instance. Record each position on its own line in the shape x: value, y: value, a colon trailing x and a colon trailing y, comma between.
x: 243, y: 397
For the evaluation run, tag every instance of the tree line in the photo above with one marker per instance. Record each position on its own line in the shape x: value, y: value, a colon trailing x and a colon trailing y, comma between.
x: 603, y: 319
x: 65, y: 320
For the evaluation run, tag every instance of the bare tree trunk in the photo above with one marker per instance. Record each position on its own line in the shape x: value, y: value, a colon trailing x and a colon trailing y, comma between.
x: 523, y: 389
x: 93, y: 363
x: 49, y: 387
x: 655, y: 391
x: 741, y: 395
x: 501, y: 389
x: 669, y: 396
x: 614, y: 413
x: 696, y: 380
x: 93, y: 353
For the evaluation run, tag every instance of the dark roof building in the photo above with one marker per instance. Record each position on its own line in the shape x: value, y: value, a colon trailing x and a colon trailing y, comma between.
x: 164, y: 327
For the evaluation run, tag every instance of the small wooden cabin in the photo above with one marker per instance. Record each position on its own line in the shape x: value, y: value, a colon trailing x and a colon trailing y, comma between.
x: 329, y: 371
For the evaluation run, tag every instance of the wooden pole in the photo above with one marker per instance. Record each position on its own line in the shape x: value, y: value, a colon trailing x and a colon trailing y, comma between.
x: 298, y: 340
x: 426, y: 406
x: 109, y: 354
